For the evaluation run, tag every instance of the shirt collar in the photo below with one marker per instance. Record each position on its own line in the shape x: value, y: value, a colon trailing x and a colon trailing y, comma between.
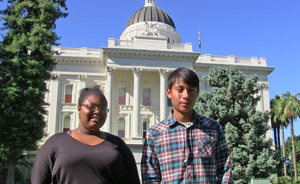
x: 171, y: 120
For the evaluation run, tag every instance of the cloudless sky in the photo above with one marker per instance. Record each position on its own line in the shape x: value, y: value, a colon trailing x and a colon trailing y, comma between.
x: 247, y: 28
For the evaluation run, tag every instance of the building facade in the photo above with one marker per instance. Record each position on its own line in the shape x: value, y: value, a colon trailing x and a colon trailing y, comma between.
x: 132, y: 71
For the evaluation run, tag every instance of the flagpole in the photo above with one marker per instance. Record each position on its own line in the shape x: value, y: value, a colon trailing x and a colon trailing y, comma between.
x: 199, y: 37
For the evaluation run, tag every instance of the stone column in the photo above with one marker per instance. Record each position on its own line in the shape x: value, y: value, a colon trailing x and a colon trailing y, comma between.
x: 163, y: 94
x: 81, y: 83
x: 54, y: 97
x: 109, y: 96
x: 265, y: 99
x: 264, y: 103
x: 136, y: 102
x: 202, y: 86
x: 265, y: 96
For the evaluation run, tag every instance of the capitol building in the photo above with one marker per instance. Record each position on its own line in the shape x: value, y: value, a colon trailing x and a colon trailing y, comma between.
x: 132, y: 70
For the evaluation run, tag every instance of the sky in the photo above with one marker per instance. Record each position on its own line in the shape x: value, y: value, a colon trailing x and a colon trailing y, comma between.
x: 247, y: 28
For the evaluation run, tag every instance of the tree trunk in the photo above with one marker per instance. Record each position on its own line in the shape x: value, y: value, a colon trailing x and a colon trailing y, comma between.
x: 294, y: 151
x: 3, y: 164
x: 12, y: 162
x: 275, y: 138
x: 278, y: 137
x: 283, y: 148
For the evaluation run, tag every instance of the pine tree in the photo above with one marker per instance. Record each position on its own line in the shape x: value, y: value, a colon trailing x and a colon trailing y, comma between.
x: 233, y: 102
x: 25, y: 64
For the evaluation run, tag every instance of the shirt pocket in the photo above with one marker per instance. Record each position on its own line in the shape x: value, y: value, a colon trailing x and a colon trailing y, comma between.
x: 207, y: 148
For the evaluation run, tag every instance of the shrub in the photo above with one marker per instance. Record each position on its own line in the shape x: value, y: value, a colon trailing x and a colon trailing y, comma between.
x: 283, y: 180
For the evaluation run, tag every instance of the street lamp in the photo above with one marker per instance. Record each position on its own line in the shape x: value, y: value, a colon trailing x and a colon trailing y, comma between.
x: 289, y: 160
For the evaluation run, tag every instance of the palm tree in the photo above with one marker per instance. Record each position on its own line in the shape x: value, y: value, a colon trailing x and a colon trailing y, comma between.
x: 280, y: 118
x: 290, y: 105
x: 275, y: 127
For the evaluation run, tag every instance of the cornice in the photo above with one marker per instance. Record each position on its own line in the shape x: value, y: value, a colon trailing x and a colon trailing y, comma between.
x: 244, y: 68
x: 148, y: 53
x: 81, y: 75
x: 79, y: 60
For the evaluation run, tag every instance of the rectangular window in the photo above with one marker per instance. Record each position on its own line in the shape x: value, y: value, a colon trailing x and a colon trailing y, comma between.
x: 146, y: 97
x: 121, y: 128
x: 145, y: 127
x: 68, y: 94
x: 66, y: 125
x: 122, y: 94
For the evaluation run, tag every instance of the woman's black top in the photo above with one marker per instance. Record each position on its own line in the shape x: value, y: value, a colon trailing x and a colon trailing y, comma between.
x: 62, y: 159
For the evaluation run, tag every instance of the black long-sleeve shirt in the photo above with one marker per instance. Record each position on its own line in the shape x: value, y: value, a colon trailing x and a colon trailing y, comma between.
x: 63, y: 159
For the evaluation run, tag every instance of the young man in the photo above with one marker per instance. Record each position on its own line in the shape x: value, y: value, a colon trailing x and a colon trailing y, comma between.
x: 185, y: 147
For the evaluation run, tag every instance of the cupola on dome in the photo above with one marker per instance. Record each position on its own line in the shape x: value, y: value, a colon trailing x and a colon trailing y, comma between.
x: 151, y: 21
x: 150, y: 13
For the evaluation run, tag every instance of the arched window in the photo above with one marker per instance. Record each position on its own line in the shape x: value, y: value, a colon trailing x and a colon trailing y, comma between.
x: 66, y: 124
x: 146, y: 124
x: 121, y: 128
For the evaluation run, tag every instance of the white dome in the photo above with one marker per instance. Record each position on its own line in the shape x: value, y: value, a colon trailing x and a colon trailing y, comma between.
x: 151, y: 21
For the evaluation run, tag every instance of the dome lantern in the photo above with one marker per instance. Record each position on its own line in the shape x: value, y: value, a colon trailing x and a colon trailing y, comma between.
x: 150, y: 3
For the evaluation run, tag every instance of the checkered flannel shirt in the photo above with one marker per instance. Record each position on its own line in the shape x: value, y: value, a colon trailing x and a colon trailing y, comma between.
x: 196, y: 152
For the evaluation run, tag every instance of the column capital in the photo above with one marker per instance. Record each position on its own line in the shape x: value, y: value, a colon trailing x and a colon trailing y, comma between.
x: 99, y: 83
x: 82, y: 77
x: 163, y: 72
x: 55, y: 76
x: 263, y: 85
x: 137, y: 71
x: 110, y: 70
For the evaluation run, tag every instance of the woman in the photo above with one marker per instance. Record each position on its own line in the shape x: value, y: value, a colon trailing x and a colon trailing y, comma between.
x: 86, y: 154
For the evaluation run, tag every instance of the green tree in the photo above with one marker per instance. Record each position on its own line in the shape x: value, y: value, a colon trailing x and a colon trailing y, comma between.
x: 25, y: 64
x: 289, y: 149
x: 289, y: 105
x: 233, y: 102
x: 278, y: 117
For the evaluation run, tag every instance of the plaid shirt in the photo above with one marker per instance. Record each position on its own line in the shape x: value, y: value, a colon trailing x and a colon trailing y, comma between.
x: 196, y: 152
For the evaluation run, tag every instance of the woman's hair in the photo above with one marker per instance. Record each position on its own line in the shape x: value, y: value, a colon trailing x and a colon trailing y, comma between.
x: 186, y: 74
x: 91, y: 91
